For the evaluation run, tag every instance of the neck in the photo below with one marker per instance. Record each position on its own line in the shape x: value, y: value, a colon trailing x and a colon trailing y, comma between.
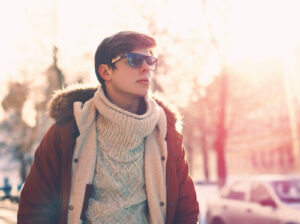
x: 136, y: 105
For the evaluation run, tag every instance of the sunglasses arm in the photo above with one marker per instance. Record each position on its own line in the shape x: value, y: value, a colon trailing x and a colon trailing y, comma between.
x: 117, y: 58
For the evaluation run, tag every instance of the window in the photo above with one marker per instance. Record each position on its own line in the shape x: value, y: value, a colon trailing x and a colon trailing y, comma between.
x: 259, y: 193
x: 237, y: 192
x: 287, y: 190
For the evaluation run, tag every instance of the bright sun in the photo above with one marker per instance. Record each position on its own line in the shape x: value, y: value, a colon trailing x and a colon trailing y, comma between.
x: 255, y: 30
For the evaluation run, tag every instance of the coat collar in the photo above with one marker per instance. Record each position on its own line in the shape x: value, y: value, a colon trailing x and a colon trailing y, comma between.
x: 60, y: 106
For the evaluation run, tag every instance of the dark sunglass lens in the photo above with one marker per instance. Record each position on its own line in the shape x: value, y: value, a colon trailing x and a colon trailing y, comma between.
x: 150, y: 61
x: 135, y: 60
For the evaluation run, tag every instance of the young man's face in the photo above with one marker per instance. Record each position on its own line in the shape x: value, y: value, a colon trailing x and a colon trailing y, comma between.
x: 126, y: 81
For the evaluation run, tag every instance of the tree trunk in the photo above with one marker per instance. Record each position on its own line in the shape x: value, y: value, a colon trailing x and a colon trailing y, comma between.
x: 23, y: 165
x: 205, y: 158
x: 221, y: 133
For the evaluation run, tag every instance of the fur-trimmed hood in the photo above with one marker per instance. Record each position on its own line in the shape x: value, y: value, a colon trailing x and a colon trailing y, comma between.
x: 61, y: 104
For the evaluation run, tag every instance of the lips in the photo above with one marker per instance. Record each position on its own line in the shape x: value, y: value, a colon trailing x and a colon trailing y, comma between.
x: 144, y: 81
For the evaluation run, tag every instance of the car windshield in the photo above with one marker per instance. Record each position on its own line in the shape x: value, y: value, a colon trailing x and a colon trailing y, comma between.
x: 287, y: 190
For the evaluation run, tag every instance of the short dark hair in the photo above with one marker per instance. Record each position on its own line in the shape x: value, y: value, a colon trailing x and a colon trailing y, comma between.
x: 120, y: 43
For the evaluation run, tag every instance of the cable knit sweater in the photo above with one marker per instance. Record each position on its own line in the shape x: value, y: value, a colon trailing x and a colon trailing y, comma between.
x: 86, y: 153
x: 119, y: 194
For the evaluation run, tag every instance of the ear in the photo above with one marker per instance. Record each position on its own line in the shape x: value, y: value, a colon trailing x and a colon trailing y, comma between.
x: 104, y: 71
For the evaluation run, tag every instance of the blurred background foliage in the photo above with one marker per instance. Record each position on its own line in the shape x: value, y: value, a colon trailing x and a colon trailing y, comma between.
x: 231, y: 67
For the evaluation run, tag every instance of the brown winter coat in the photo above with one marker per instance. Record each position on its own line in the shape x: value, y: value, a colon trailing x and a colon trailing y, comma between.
x: 45, y: 195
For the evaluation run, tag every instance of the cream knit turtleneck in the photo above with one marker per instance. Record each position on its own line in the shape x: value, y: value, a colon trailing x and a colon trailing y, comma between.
x: 121, y: 131
x: 85, y: 153
x: 119, y: 194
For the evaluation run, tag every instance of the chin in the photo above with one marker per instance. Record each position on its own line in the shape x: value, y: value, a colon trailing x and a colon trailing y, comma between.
x: 142, y: 93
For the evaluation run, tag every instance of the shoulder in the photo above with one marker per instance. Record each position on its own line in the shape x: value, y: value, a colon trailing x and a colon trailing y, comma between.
x: 60, y: 107
x: 61, y: 131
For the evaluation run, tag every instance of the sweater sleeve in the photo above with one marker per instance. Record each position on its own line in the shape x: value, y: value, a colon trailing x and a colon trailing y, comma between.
x: 187, y: 209
x: 39, y: 199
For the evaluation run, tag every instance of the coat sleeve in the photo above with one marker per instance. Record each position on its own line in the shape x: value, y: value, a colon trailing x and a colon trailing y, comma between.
x: 39, y: 199
x: 187, y: 210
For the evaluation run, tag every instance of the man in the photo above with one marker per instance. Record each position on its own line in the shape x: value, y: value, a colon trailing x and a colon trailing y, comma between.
x: 6, y: 189
x: 113, y: 155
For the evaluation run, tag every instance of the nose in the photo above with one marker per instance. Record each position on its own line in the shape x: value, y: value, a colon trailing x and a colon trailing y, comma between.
x: 144, y: 68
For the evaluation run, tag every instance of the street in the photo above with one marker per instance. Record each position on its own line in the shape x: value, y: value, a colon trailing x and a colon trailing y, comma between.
x: 8, y: 212
x: 204, y: 192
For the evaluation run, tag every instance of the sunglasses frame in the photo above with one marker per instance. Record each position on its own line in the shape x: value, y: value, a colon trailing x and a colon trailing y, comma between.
x: 128, y: 55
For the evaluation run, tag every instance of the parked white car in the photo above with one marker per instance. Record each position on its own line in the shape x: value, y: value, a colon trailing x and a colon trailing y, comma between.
x: 257, y: 200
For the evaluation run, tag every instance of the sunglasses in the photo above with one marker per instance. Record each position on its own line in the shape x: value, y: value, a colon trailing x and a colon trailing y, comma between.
x: 135, y: 60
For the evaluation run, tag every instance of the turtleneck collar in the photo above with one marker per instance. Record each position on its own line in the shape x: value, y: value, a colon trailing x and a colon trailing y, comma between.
x: 120, y: 131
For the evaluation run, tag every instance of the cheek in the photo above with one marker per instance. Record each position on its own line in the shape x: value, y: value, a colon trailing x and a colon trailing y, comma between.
x: 122, y: 79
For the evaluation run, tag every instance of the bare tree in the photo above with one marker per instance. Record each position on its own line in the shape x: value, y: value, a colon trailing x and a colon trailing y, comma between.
x: 22, y: 138
x: 221, y: 129
x: 16, y: 129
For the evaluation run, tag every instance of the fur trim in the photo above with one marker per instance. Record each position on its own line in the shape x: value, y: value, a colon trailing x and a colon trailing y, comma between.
x: 174, y: 118
x: 60, y: 106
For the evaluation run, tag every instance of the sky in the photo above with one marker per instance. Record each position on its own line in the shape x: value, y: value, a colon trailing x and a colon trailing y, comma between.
x: 244, y: 30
